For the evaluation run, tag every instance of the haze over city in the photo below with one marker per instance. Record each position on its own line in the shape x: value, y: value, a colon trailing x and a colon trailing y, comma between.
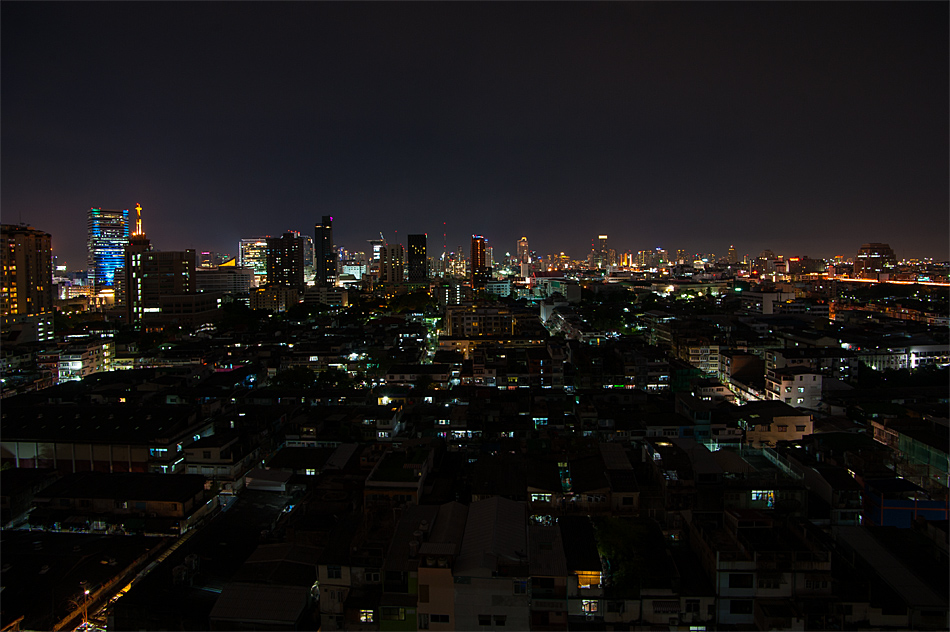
x: 804, y: 128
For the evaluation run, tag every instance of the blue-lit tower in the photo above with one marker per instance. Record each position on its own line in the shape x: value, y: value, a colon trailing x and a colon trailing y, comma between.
x: 108, y: 236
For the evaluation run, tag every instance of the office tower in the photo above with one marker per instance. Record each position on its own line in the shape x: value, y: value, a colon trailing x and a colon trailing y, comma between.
x: 27, y: 290
x: 391, y: 268
x: 377, y: 247
x: 308, y: 271
x: 681, y: 257
x: 324, y: 256
x: 418, y: 265
x: 252, y: 253
x: 873, y: 260
x: 206, y: 259
x: 108, y: 233
x: 152, y: 276
x: 285, y: 260
x: 732, y: 256
x: 481, y: 272
x: 524, y: 255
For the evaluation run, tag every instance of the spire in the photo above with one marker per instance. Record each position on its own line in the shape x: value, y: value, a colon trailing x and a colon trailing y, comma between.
x: 138, y: 221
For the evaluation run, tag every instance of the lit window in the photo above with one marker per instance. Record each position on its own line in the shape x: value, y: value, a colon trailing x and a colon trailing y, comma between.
x: 366, y: 616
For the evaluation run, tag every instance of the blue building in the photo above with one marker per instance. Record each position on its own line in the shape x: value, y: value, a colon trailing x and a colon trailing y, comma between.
x: 107, y: 237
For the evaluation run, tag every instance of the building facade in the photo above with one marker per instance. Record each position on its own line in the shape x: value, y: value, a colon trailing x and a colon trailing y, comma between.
x: 108, y: 234
x: 324, y: 256
x: 285, y: 260
x: 27, y: 275
x: 418, y: 265
x: 481, y: 271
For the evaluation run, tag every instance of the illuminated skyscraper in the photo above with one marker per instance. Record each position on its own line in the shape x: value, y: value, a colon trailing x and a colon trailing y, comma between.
x: 418, y: 265
x: 27, y: 278
x: 252, y: 253
x: 108, y: 233
x: 481, y: 272
x: 524, y: 255
x: 285, y: 260
x: 732, y: 256
x: 873, y: 260
x: 324, y: 256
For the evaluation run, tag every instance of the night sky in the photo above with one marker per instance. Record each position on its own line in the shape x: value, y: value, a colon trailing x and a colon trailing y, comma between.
x: 806, y: 128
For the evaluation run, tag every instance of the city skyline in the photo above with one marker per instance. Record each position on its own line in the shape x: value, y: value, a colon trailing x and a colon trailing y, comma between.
x: 804, y: 129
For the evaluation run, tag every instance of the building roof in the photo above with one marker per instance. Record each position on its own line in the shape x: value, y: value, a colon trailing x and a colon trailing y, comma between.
x: 127, y: 486
x: 582, y: 553
x: 260, y: 603
x: 546, y: 552
x: 95, y: 423
x: 495, y: 531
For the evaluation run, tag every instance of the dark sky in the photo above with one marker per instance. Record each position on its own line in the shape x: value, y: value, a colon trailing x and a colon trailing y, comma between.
x: 806, y: 128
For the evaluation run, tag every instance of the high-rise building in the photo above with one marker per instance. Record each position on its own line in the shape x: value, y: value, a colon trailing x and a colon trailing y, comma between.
x: 481, y: 272
x: 324, y: 255
x: 418, y: 265
x: 308, y: 271
x: 108, y: 233
x: 27, y: 278
x: 873, y: 260
x: 524, y: 254
x: 152, y: 277
x: 732, y: 256
x: 285, y: 261
x: 391, y: 268
x: 252, y: 253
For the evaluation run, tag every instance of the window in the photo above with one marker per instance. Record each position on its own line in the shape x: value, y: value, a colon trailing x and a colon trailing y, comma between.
x: 768, y: 583
x: 440, y: 618
x: 542, y: 498
x: 206, y: 454
x: 423, y: 622
x: 334, y: 572
x: 800, y: 400
x: 423, y: 593
x: 740, y: 580
x: 484, y: 619
x: 310, y: 471
x: 392, y: 614
x: 692, y: 605
x: 627, y: 500
x: 521, y: 587
x: 783, y: 428
x: 800, y: 428
x: 801, y: 389
x: 740, y: 606
x: 366, y: 616
x: 500, y: 620
x: 589, y: 605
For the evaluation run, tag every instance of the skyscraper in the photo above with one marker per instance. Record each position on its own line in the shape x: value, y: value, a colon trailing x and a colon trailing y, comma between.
x: 524, y: 255
x: 324, y: 256
x: 108, y: 233
x: 418, y: 265
x: 732, y: 256
x: 873, y: 260
x: 153, y: 276
x: 252, y: 253
x: 391, y: 269
x: 481, y: 273
x: 27, y: 277
x: 285, y: 260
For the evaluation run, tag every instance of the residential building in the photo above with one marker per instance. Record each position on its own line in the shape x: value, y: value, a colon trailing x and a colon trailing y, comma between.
x: 26, y: 293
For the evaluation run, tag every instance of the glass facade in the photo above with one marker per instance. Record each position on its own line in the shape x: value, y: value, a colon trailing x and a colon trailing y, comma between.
x: 107, y: 237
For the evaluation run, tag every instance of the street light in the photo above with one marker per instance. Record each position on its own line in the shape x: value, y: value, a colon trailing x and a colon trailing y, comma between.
x: 85, y: 597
